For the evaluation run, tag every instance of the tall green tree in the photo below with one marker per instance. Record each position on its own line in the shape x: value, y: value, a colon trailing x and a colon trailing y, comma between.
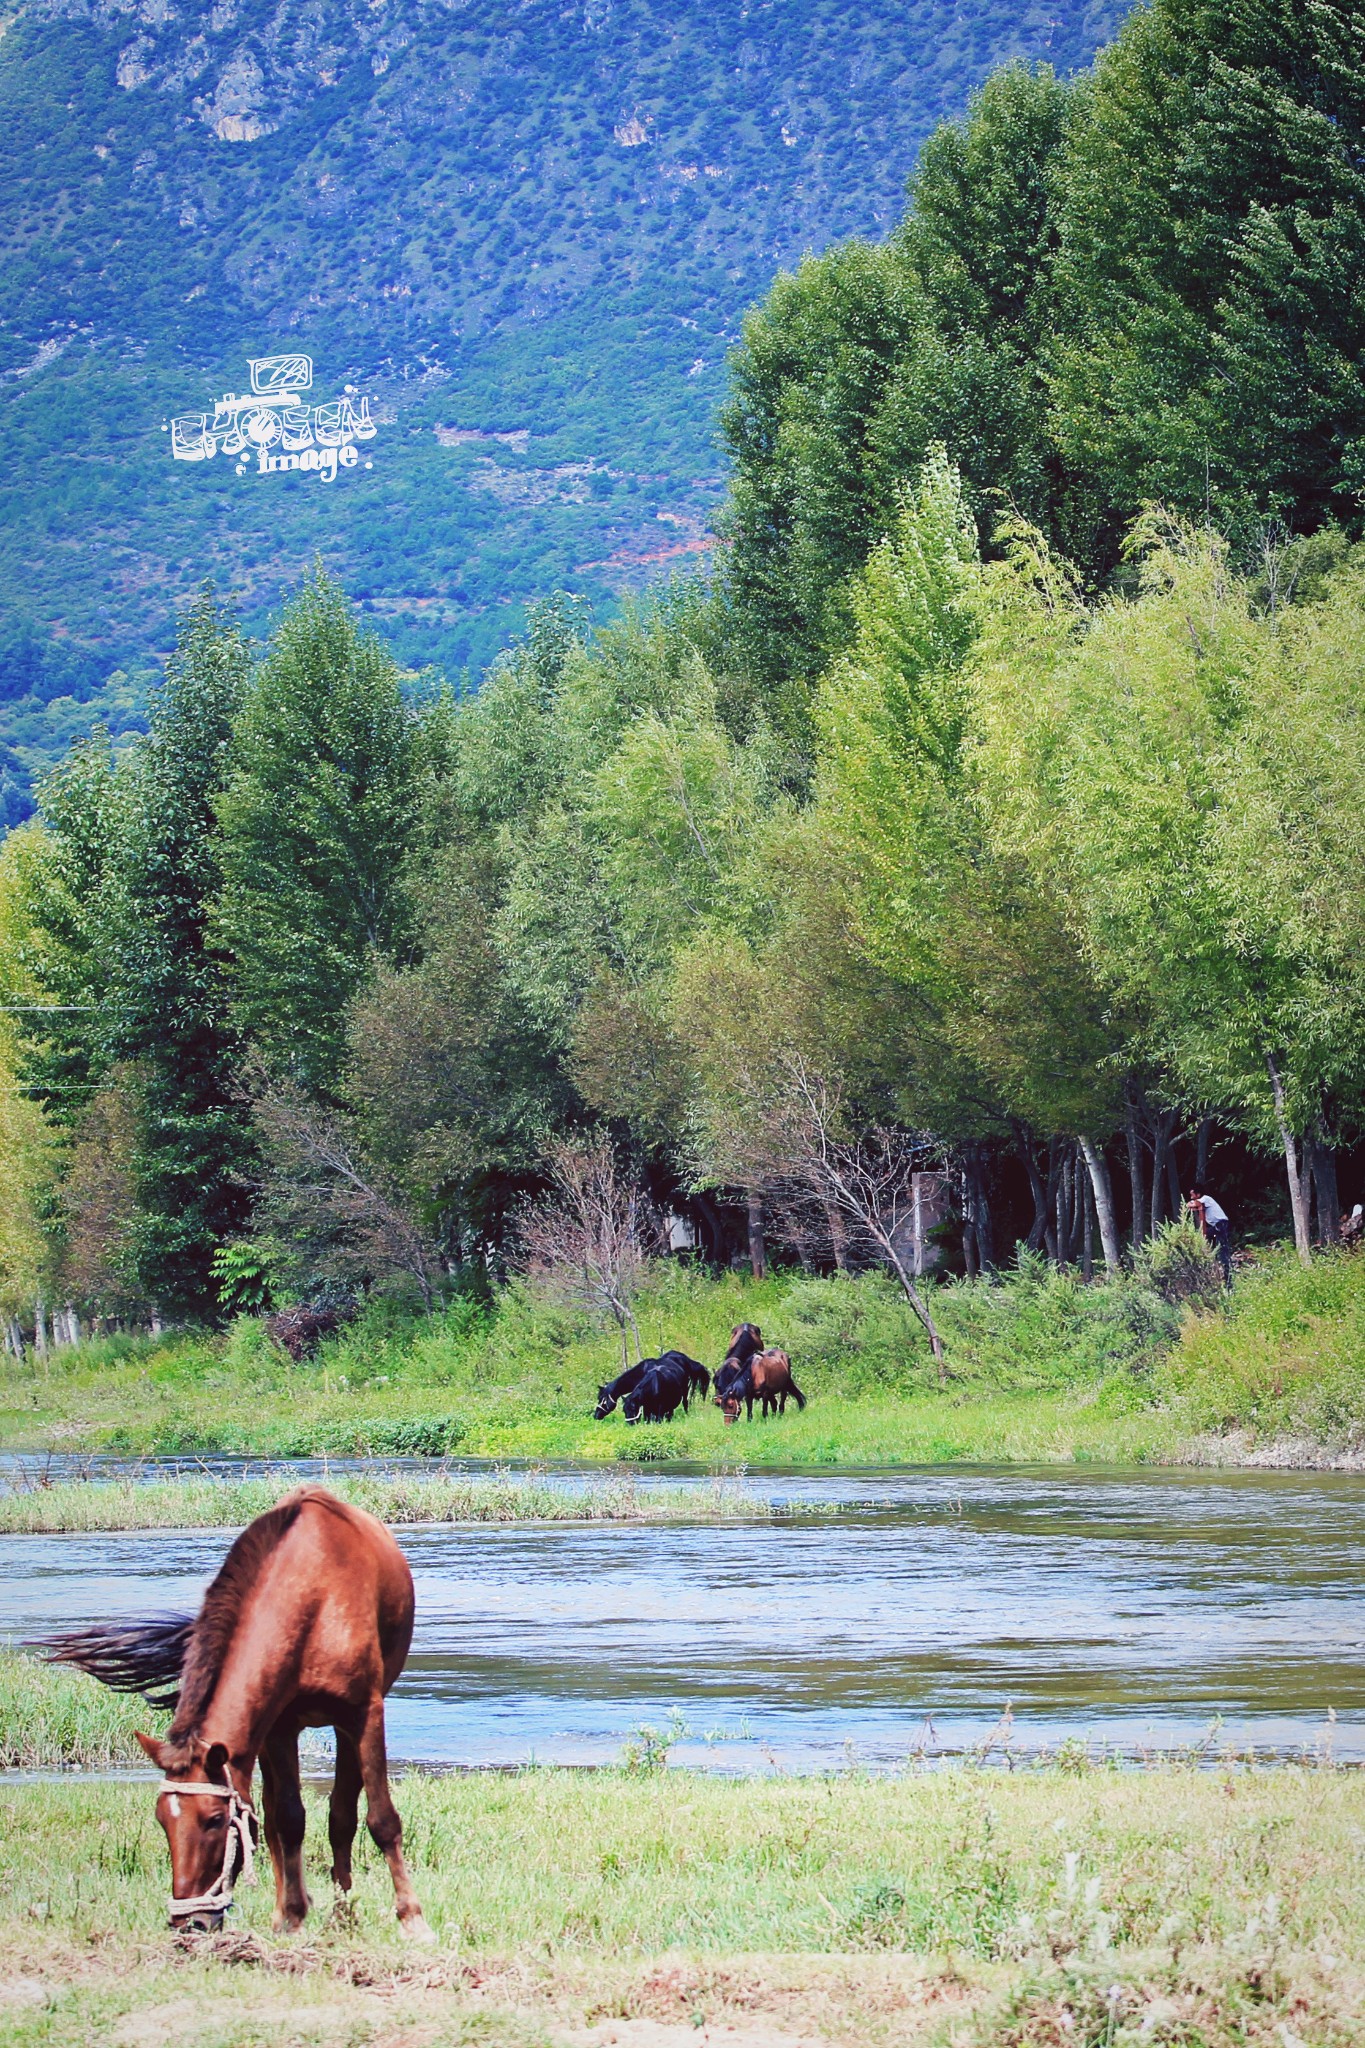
x: 966, y: 925
x: 171, y: 992
x: 317, y: 813
x: 1211, y: 280
x: 862, y: 360
x: 69, y: 866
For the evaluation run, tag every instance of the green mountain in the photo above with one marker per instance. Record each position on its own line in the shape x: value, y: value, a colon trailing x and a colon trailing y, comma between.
x: 525, y: 234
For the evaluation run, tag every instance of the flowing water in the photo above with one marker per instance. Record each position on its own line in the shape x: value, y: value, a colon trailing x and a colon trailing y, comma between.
x: 1131, y: 1609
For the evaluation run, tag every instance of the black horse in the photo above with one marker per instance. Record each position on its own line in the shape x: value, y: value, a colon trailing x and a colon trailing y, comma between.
x: 696, y: 1379
x: 624, y: 1383
x: 667, y: 1385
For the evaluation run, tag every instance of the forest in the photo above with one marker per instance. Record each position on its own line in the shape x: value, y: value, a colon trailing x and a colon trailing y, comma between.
x: 993, y: 811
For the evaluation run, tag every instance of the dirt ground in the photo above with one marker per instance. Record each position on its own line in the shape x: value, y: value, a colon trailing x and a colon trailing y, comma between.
x: 235, y: 1991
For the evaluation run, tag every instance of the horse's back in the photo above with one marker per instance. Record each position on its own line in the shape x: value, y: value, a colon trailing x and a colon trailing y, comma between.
x: 340, y: 1572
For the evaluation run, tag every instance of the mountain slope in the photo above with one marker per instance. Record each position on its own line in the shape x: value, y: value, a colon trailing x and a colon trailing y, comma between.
x: 525, y: 232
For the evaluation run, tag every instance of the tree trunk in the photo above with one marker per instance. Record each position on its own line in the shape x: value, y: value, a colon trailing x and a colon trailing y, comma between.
x: 1037, y: 1236
x: 1201, y: 1151
x: 14, y: 1337
x: 1065, y: 1187
x: 918, y: 1304
x: 1088, y: 1238
x: 838, y: 1236
x: 977, y: 1209
x: 985, y: 1222
x: 1134, y: 1143
x: 1103, y: 1190
x: 1325, y: 1181
x: 1161, y: 1139
x: 40, y: 1327
x: 1296, y: 1164
x: 1173, y: 1185
x: 706, y: 1209
x: 758, y: 1249
x: 1054, y: 1171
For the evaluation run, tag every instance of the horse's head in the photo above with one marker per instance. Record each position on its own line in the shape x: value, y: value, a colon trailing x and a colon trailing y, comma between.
x: 632, y: 1405
x: 729, y: 1408
x: 210, y: 1828
x: 606, y: 1401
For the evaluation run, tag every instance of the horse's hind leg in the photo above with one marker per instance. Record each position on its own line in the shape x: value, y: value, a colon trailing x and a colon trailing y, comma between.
x: 284, y: 1826
x: 381, y: 1818
x: 343, y: 1809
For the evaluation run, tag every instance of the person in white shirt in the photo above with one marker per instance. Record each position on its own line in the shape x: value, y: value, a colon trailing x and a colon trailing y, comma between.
x: 1212, y: 1219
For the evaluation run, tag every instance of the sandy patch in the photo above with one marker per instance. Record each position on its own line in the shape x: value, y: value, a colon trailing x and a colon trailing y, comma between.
x: 21, y: 1991
x: 178, y: 2020
x: 663, y: 2034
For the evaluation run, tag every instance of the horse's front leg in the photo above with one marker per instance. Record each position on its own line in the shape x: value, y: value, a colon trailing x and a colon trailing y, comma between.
x: 270, y: 1829
x: 381, y: 1818
x: 285, y: 1828
x: 343, y: 1809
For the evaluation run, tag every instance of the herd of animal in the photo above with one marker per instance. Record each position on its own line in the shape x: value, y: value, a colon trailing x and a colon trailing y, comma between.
x: 656, y: 1388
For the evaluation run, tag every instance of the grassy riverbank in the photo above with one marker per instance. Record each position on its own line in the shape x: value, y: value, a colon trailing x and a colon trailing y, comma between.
x: 1041, y: 1369
x: 71, y: 1506
x: 967, y: 1907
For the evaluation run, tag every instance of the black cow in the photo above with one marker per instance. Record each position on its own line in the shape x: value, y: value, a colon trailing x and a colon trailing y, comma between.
x: 696, y: 1379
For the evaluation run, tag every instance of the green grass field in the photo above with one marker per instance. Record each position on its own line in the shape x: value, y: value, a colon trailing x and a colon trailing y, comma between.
x: 1042, y: 1369
x: 1209, y: 1909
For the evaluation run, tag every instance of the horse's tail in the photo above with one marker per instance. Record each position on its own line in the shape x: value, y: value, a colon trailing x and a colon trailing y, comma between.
x: 129, y: 1656
x: 701, y: 1378
x: 800, y: 1397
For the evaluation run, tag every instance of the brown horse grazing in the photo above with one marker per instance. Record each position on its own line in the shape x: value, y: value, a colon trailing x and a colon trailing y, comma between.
x: 767, y: 1378
x: 746, y: 1341
x: 307, y: 1625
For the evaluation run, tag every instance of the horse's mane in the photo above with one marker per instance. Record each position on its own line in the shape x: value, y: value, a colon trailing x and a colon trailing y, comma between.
x: 213, y: 1630
x: 175, y: 1661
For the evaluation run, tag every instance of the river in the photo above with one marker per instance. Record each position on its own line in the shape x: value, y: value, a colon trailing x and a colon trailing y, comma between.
x: 1121, y: 1609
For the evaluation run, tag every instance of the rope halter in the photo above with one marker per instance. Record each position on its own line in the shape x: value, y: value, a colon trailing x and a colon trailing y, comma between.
x: 241, y: 1821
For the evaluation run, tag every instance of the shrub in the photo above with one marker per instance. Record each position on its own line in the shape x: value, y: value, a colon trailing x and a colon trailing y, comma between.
x: 1178, y: 1263
x: 414, y: 1436
x: 857, y: 1333
x: 1286, y: 1355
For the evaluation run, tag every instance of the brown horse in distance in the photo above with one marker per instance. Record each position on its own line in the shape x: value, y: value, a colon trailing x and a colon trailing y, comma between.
x: 746, y: 1341
x: 307, y: 1625
x: 767, y: 1378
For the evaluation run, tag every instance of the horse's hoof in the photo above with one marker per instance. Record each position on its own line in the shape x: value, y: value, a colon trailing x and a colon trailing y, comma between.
x: 417, y: 1929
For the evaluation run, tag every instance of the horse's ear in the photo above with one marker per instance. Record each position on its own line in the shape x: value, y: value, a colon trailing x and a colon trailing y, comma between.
x: 152, y: 1746
x: 215, y: 1761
